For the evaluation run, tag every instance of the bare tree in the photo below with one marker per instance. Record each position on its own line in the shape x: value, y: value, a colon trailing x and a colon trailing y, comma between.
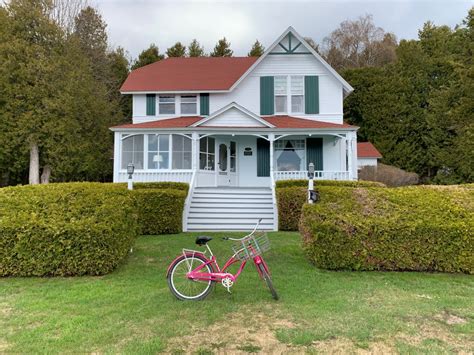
x: 64, y: 12
x: 359, y: 43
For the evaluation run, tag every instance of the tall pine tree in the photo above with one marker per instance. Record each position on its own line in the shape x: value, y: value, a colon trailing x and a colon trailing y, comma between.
x: 177, y: 50
x: 195, y: 49
x: 222, y: 49
x: 148, y: 56
x: 257, y: 50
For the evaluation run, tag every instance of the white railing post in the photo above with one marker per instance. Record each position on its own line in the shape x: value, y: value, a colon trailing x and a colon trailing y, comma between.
x: 271, y: 138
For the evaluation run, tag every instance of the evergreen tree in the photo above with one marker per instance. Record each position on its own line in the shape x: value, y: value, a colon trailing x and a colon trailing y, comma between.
x: 148, y: 56
x: 195, y: 49
x: 177, y: 50
x: 257, y: 49
x: 222, y: 49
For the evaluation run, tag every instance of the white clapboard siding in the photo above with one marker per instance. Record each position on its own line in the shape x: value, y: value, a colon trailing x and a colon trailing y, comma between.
x: 233, y: 118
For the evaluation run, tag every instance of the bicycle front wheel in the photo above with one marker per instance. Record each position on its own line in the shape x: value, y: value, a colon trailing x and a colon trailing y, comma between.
x: 268, y: 280
x: 182, y: 287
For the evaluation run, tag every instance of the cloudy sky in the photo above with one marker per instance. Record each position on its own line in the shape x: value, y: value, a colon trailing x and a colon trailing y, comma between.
x: 134, y: 24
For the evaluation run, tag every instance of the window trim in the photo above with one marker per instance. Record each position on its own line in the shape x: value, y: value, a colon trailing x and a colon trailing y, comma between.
x: 289, y: 108
x: 207, y: 154
x: 291, y: 95
x: 166, y: 103
x: 275, y: 96
x: 196, y: 103
x: 297, y: 138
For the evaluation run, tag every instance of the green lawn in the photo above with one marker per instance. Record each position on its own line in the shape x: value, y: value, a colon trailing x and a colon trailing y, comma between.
x: 131, y: 310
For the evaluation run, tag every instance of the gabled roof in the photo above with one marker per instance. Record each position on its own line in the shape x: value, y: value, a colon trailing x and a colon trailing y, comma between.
x: 367, y: 150
x: 202, y: 74
x: 271, y: 122
x: 347, y: 87
x: 231, y: 106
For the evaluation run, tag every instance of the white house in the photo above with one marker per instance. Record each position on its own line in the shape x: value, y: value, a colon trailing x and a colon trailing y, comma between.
x: 367, y: 154
x: 231, y: 127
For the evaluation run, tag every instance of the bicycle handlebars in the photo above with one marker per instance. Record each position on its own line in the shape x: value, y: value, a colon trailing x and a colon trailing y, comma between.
x: 237, y: 239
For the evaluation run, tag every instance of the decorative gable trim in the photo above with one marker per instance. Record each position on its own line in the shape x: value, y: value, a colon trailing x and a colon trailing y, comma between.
x: 347, y: 87
x: 233, y: 105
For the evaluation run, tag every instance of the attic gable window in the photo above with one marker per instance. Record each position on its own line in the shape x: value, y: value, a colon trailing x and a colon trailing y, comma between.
x: 189, y: 105
x: 166, y: 105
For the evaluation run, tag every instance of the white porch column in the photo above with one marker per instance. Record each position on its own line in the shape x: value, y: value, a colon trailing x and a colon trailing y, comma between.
x: 271, y: 138
x: 349, y: 153
x: 117, y: 155
x: 195, y: 161
x: 351, y: 138
x: 354, y: 156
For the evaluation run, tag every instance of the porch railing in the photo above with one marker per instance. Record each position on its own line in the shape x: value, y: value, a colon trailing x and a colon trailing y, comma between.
x: 319, y: 175
x: 158, y: 176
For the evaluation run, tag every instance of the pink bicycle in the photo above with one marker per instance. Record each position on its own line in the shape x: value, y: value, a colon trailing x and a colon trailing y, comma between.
x: 192, y: 275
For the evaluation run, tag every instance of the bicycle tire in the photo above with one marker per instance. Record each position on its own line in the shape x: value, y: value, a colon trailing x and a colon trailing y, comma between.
x: 268, y: 281
x: 176, y: 293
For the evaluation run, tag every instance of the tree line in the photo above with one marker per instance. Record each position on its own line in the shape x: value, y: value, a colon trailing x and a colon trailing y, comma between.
x: 60, y: 80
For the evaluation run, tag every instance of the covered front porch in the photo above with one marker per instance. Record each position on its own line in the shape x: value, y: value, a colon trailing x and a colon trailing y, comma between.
x: 237, y: 158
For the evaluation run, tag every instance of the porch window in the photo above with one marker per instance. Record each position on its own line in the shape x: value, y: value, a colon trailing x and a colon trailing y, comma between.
x: 207, y: 153
x: 189, y: 105
x: 297, y: 94
x: 158, y: 151
x: 182, y: 152
x: 281, y: 96
x: 290, y: 154
x: 132, y: 151
x: 166, y: 105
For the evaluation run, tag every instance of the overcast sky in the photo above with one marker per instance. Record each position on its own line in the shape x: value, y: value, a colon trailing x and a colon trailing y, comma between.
x: 134, y: 24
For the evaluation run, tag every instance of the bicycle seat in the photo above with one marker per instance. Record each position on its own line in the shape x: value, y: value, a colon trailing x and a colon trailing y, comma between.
x: 202, y: 240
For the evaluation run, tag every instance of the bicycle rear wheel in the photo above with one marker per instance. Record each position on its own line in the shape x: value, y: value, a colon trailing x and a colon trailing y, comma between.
x: 182, y: 287
x: 268, y: 280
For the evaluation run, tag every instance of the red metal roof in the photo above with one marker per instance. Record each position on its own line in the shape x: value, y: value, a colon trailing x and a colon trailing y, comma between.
x: 367, y: 150
x: 294, y: 122
x: 277, y: 121
x: 188, y: 74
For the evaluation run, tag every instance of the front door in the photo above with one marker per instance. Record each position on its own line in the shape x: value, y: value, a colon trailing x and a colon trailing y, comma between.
x: 226, y: 162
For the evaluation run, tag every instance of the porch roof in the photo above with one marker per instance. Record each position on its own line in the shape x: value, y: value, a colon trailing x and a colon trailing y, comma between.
x: 279, y: 122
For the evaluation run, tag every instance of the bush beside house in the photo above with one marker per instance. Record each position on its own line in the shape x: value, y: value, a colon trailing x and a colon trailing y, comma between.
x: 411, y: 228
x: 81, y: 228
x: 292, y: 194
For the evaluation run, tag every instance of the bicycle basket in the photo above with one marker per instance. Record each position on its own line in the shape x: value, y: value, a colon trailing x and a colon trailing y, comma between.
x: 251, y: 246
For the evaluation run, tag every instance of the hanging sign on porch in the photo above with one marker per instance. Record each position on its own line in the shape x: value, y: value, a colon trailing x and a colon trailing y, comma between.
x: 248, y: 151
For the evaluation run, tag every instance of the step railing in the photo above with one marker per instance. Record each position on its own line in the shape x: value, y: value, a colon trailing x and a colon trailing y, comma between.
x: 274, y: 202
x: 187, y: 203
x: 318, y: 175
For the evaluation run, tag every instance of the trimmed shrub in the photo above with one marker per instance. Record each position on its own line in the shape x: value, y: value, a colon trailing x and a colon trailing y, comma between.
x: 290, y: 203
x: 160, y: 211
x: 420, y: 228
x: 65, y: 229
x: 317, y: 183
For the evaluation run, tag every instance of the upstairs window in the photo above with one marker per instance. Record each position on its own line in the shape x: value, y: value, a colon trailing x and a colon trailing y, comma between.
x: 189, y: 105
x: 281, y: 96
x: 297, y: 94
x: 166, y: 105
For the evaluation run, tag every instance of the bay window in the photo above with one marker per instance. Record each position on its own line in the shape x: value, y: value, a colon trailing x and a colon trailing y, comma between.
x: 166, y: 105
x: 158, y: 151
x: 132, y: 151
x: 189, y: 105
x: 182, y: 152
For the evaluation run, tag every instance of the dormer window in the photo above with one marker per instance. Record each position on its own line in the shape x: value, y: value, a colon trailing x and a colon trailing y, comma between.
x: 189, y: 105
x: 166, y: 105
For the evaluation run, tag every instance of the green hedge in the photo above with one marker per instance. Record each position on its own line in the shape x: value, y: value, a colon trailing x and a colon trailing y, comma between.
x: 160, y: 211
x: 65, y: 229
x: 317, y: 183
x: 418, y: 228
x: 290, y: 202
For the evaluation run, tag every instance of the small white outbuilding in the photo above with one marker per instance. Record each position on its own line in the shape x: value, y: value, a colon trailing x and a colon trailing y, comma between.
x: 367, y: 154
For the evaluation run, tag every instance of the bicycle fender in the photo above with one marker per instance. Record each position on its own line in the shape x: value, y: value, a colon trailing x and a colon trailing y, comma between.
x: 187, y: 254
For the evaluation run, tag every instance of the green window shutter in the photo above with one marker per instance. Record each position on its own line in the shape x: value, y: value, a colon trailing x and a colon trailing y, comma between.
x: 150, y: 104
x: 267, y: 95
x: 263, y: 157
x: 314, y: 153
x: 204, y: 104
x: 311, y: 94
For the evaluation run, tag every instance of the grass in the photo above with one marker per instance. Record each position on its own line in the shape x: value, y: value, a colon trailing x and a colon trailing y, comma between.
x: 132, y: 310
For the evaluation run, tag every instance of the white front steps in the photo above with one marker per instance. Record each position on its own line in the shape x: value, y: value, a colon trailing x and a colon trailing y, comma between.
x: 227, y: 209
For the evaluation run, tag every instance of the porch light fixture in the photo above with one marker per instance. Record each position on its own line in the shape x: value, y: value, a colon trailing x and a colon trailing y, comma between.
x: 130, y: 170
